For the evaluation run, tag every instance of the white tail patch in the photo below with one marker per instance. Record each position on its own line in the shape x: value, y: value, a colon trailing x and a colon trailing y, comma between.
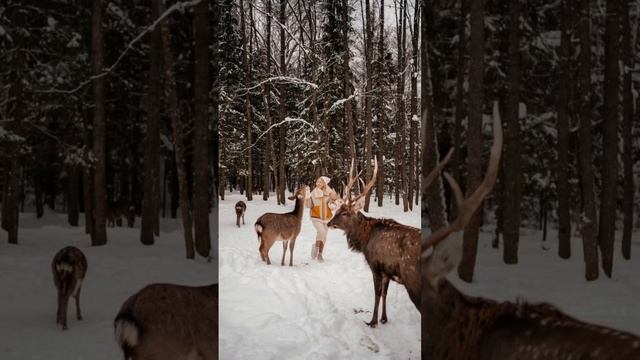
x: 64, y: 267
x: 259, y: 229
x: 126, y: 333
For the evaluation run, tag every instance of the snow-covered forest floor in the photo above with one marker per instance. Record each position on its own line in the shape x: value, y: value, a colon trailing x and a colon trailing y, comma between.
x: 542, y: 276
x: 116, y: 271
x: 312, y: 310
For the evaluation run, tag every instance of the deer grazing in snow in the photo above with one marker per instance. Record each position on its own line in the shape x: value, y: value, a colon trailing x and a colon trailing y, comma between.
x: 168, y: 322
x: 241, y: 208
x: 69, y: 266
x: 391, y: 249
x: 119, y: 209
x: 460, y: 327
x: 272, y: 227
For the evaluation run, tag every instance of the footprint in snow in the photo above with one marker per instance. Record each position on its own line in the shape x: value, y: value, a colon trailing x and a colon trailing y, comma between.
x: 369, y: 344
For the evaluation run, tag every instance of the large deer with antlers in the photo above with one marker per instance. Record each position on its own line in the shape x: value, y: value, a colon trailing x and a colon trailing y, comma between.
x: 391, y: 249
x: 459, y: 327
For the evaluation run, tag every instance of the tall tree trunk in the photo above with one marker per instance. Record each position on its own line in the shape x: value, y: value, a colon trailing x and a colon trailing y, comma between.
x: 474, y: 140
x: 247, y: 65
x: 433, y: 211
x: 87, y: 181
x: 73, y: 191
x: 562, y: 186
x: 202, y: 194
x: 152, y: 138
x: 99, y: 127
x: 368, y: 136
x: 412, y: 178
x: 590, y: 219
x: 380, y: 111
x: 627, y: 129
x: 176, y: 123
x: 607, y: 228
x: 282, y: 181
x: 348, y: 112
x: 456, y: 158
x: 266, y: 172
x: 512, y: 167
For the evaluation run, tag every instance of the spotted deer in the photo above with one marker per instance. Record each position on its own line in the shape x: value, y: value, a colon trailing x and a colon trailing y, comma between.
x: 392, y: 250
x: 168, y: 322
x: 460, y: 327
x: 272, y: 227
x: 69, y: 267
x: 241, y: 208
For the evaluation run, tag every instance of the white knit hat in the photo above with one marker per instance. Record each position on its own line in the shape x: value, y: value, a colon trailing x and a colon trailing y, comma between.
x: 326, y: 179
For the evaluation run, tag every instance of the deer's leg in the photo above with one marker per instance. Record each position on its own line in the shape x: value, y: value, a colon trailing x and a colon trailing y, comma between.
x: 284, y: 251
x: 238, y: 221
x: 77, y: 298
x: 384, y: 289
x: 292, y: 244
x: 377, y: 285
x: 59, y: 310
x: 64, y: 304
x: 242, y: 219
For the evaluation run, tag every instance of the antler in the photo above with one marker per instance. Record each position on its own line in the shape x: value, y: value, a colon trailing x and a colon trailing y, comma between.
x: 352, y: 180
x: 436, y: 171
x: 371, y: 182
x: 466, y: 207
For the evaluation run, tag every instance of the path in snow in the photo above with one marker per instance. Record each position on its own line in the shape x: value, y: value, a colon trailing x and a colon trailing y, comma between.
x: 311, y: 310
x: 116, y: 271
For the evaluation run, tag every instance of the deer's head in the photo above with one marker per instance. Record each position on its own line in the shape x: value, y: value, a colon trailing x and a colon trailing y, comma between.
x: 346, y: 217
x: 300, y: 193
x: 442, y: 250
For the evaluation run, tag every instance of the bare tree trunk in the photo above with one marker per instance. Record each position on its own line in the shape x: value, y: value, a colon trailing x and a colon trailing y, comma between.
x: 247, y: 60
x: 282, y: 181
x: 589, y: 219
x: 607, y: 228
x: 456, y: 159
x: 474, y: 139
x: 152, y: 139
x: 73, y: 198
x: 202, y: 194
x: 381, y: 109
x: 627, y: 129
x: 368, y: 137
x: 99, y: 127
x: 512, y: 167
x: 87, y: 180
x: 412, y: 178
x: 562, y: 186
x: 267, y: 94
x: 176, y: 123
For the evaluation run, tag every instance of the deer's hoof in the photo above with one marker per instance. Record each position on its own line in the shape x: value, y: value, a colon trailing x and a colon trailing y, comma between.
x: 383, y: 320
x: 79, y: 317
x: 371, y: 324
x: 64, y: 327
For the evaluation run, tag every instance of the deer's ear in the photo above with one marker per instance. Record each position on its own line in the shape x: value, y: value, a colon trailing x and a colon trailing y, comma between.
x: 446, y: 256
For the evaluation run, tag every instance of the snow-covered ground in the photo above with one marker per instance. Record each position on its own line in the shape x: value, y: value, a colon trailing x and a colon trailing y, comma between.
x: 116, y: 271
x: 542, y: 276
x: 311, y: 310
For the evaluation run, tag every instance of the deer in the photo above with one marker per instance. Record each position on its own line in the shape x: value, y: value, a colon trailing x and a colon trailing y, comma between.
x: 241, y: 208
x: 119, y: 209
x: 461, y: 327
x: 272, y: 227
x: 168, y: 321
x: 69, y: 267
x: 391, y: 249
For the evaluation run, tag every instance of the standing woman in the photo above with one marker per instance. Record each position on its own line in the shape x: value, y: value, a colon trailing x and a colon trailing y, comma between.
x: 320, y: 200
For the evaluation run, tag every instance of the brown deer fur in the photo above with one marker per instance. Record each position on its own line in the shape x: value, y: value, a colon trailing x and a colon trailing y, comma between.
x: 69, y: 267
x: 241, y: 208
x: 391, y: 249
x: 272, y: 227
x: 168, y: 322
x: 460, y: 327
x: 118, y: 210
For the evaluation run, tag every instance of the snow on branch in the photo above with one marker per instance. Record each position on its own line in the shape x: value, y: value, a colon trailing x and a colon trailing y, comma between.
x: 280, y: 80
x: 180, y: 6
x: 285, y: 121
x: 341, y: 102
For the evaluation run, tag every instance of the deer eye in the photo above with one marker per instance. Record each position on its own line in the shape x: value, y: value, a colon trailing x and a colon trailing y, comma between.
x: 343, y: 214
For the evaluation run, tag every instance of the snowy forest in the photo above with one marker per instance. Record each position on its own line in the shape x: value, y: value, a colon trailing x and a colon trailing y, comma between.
x: 307, y: 86
x: 565, y: 75
x: 107, y: 161
x: 100, y: 114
